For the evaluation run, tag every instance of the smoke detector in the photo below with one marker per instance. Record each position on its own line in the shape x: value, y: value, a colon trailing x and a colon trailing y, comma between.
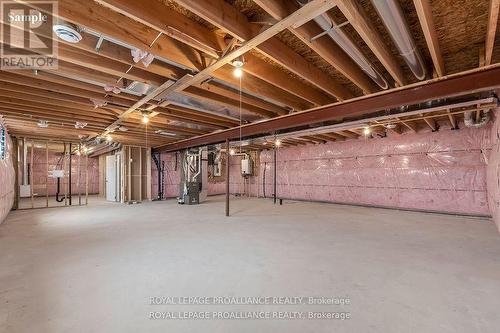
x: 67, y: 32
x: 43, y: 124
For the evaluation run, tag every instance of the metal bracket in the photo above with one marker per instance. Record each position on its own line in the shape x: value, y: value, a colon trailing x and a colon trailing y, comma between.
x: 328, y: 31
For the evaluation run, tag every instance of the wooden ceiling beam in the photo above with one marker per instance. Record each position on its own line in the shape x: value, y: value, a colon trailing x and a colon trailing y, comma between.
x: 234, y: 94
x: 360, y: 22
x: 110, y: 70
x: 177, y: 26
x: 253, y: 65
x: 213, y: 97
x: 424, y: 12
x: 228, y: 18
x: 491, y: 29
x: 59, y: 84
x: 132, y: 32
x: 327, y: 49
x: 348, y: 134
x: 263, y: 70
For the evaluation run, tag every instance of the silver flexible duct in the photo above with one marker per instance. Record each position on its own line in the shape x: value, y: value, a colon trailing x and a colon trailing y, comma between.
x: 394, y: 21
x: 469, y: 120
x: 345, y: 43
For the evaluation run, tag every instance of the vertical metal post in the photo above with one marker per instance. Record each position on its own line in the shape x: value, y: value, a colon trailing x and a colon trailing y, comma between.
x: 227, y: 177
x: 32, y: 183
x: 15, y: 160
x: 275, y: 173
x: 70, y: 172
x: 79, y: 175
x: 86, y: 179
x: 47, y: 174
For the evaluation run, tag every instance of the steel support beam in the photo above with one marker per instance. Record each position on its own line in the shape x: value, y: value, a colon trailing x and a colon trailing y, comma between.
x: 484, y: 79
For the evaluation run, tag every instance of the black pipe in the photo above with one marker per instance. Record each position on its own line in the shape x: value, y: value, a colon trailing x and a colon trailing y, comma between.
x: 70, y: 173
x: 275, y: 173
x: 264, y: 180
x: 58, y: 189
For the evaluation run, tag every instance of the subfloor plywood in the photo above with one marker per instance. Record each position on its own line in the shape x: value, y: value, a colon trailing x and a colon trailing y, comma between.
x: 94, y: 268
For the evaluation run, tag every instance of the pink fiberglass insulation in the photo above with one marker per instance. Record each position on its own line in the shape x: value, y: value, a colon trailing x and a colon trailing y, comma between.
x: 7, y: 179
x: 237, y: 184
x: 444, y: 171
x: 42, y: 183
x: 493, y: 171
x: 172, y: 176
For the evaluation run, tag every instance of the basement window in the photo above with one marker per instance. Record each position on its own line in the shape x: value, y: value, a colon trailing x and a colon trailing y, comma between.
x: 2, y: 143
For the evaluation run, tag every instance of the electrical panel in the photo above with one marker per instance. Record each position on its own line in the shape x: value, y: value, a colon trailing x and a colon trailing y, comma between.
x: 246, y: 167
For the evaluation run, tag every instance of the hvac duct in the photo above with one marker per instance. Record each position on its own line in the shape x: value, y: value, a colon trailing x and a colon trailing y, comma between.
x: 345, y: 43
x: 392, y: 16
x: 470, y: 122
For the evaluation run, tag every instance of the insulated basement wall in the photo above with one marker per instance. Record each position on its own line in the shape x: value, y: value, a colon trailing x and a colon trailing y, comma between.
x: 172, y: 174
x: 237, y: 183
x: 40, y: 178
x: 7, y: 180
x: 493, y: 171
x: 444, y: 171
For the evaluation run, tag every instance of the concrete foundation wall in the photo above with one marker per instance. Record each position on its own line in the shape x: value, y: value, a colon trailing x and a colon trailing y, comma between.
x: 7, y: 181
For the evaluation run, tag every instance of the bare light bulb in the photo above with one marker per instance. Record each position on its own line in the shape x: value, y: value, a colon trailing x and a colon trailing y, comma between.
x: 278, y: 143
x: 231, y: 152
x: 366, y: 131
x: 109, y: 138
x: 145, y: 119
x: 238, y: 72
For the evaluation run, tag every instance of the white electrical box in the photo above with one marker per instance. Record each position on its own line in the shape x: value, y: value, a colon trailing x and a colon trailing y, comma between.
x: 24, y: 191
x: 56, y: 173
x: 246, y: 167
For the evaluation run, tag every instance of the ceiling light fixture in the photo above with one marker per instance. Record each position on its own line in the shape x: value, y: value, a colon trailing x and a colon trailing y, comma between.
x: 238, y: 63
x: 366, y: 130
x: 277, y: 142
x: 231, y: 152
x: 109, y: 138
x: 67, y: 32
x: 145, y: 118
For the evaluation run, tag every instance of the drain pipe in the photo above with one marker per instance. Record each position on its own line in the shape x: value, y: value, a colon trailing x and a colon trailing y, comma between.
x: 391, y: 14
x: 333, y: 30
x: 470, y: 122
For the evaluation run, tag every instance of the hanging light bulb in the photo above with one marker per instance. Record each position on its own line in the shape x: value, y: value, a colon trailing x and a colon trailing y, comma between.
x: 231, y: 152
x: 109, y: 138
x: 78, y: 153
x: 366, y: 130
x: 277, y: 142
x: 238, y: 72
x: 145, y: 119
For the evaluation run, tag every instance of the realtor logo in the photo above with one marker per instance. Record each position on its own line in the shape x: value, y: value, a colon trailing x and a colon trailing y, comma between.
x: 27, y: 41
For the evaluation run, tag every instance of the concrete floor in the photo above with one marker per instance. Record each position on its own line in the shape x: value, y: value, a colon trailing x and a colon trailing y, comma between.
x: 94, y: 269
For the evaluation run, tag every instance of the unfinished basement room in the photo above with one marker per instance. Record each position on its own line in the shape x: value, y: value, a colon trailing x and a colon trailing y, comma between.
x: 249, y: 166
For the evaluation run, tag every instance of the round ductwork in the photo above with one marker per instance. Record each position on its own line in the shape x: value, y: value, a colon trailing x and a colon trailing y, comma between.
x: 67, y: 32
